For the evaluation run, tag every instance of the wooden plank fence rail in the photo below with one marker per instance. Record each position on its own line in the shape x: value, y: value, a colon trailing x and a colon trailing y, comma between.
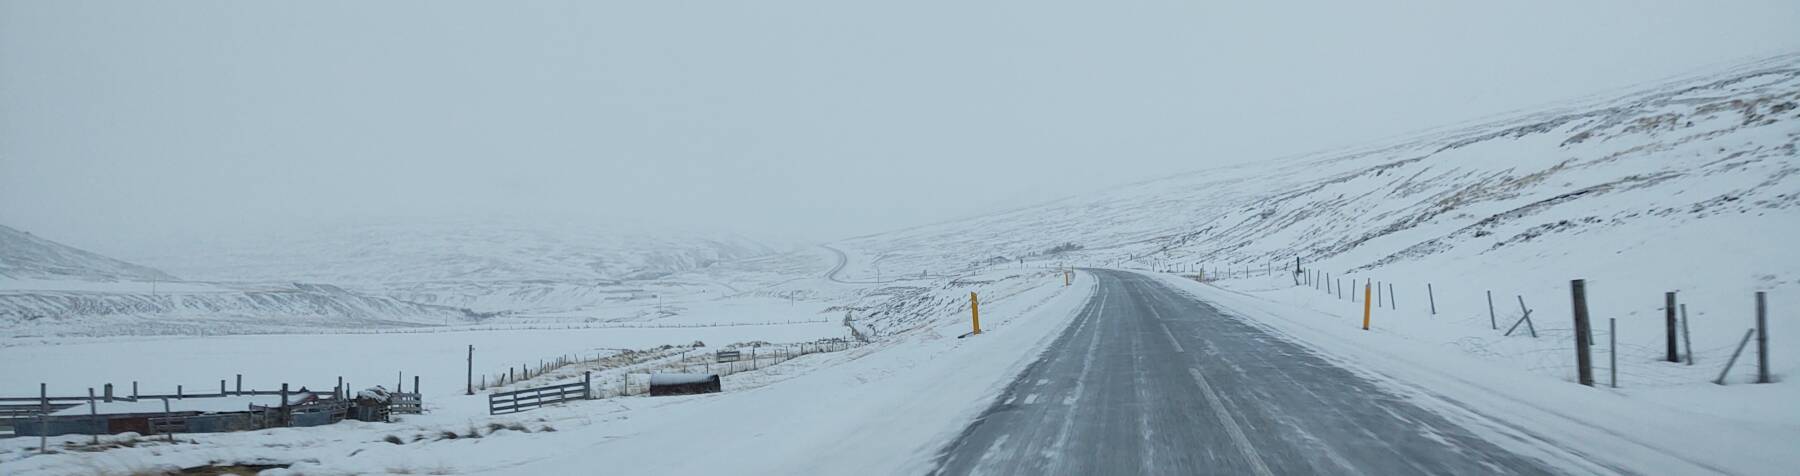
x: 127, y: 398
x: 168, y: 425
x: 13, y: 409
x: 11, y: 413
x: 515, y: 401
x: 406, y: 403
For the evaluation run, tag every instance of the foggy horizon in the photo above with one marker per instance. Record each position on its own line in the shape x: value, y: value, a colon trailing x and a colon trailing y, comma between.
x: 131, y: 126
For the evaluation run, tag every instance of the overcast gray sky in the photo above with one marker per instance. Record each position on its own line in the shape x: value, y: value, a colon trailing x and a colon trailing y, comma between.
x: 801, y: 119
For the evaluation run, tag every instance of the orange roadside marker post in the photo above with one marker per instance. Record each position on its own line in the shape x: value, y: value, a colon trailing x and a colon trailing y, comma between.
x: 975, y: 312
x: 1365, y: 306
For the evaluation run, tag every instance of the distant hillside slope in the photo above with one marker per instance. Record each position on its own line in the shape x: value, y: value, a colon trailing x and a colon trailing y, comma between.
x: 25, y: 256
x: 1695, y: 172
x: 415, y: 252
x: 50, y: 288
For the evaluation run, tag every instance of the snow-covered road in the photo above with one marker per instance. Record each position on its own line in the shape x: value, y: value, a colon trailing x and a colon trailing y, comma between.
x: 1146, y: 381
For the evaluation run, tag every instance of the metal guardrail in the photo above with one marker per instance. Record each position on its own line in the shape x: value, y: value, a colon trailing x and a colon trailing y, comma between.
x: 515, y: 401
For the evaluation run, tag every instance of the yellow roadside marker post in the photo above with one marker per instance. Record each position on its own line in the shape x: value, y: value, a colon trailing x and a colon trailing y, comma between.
x: 975, y: 312
x: 1365, y: 306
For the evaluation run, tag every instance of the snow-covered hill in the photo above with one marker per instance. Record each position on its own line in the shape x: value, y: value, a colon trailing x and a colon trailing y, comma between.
x: 198, y: 308
x: 417, y: 273
x: 50, y: 288
x: 25, y: 256
x: 1668, y: 167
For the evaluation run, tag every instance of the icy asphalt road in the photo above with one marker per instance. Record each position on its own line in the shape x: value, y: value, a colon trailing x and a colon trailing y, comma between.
x: 1149, y: 381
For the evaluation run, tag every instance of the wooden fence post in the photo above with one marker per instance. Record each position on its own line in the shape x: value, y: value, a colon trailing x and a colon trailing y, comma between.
x: 1528, y: 324
x: 1392, y: 303
x: 284, y: 405
x: 94, y: 415
x: 471, y: 390
x: 1612, y: 349
x: 43, y: 418
x: 166, y: 415
x: 1432, y: 296
x: 1491, y: 323
x: 109, y: 393
x: 1762, y: 338
x: 587, y: 385
x: 240, y: 383
x: 1687, y: 339
x: 416, y: 388
x: 1669, y: 324
x: 1734, y: 356
x: 1584, y: 366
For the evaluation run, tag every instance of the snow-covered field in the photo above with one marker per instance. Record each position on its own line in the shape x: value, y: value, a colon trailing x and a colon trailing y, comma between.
x: 887, y: 405
x: 158, y: 364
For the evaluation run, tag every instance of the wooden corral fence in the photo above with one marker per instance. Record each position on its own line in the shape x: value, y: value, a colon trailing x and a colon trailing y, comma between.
x: 331, y: 404
x: 11, y: 411
x: 515, y: 401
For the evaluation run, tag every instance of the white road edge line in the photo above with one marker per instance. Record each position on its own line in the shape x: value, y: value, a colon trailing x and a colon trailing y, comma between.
x: 1231, y: 427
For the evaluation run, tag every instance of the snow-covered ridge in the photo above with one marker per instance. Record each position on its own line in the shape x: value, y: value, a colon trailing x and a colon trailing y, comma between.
x: 26, y: 256
x: 1682, y: 154
x: 443, y: 272
x: 197, y: 307
x: 53, y: 288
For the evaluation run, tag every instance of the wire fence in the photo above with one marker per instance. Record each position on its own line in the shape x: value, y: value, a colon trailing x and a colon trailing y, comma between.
x: 1520, y: 336
x: 632, y: 368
